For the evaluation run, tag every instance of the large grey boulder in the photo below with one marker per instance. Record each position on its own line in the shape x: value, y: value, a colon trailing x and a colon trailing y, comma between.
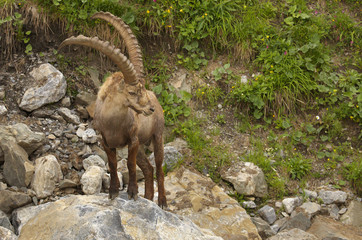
x: 51, y: 87
x: 197, y: 197
x: 97, y: 217
x: 247, y: 179
x: 47, y: 174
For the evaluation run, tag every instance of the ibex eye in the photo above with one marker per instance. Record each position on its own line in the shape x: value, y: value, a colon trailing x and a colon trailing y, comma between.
x: 132, y: 93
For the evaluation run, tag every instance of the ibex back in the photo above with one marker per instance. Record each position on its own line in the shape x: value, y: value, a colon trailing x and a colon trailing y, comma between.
x: 126, y: 113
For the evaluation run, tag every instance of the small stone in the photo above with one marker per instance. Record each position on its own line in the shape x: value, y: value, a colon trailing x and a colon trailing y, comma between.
x: 278, y: 204
x: 300, y: 221
x: 268, y: 214
x: 330, y: 197
x: 354, y: 214
x: 342, y: 211
x: 310, y: 209
x: 89, y: 136
x: 249, y: 204
x: 310, y: 194
x: 92, y: 180
x: 284, y: 214
x: 67, y: 183
x: 263, y: 227
x: 94, y: 160
x: 2, y: 92
x: 3, y: 186
x: 3, y: 110
x: 52, y: 137
x: 291, y: 203
x: 66, y: 102
x: 333, y: 211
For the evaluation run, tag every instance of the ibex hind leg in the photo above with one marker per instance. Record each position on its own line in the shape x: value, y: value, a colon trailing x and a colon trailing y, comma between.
x: 147, y: 169
x: 112, y: 163
x: 158, y: 150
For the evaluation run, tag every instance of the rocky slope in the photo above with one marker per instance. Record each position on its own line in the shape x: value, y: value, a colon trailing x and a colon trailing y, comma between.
x: 53, y: 176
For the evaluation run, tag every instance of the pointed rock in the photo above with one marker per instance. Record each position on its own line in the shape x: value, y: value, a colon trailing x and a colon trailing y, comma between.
x: 47, y: 174
x: 51, y: 88
x: 18, y: 170
x: 11, y: 200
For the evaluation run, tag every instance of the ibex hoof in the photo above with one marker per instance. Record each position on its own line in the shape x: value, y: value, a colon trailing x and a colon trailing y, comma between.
x: 113, y: 194
x: 132, y: 192
x: 162, y: 203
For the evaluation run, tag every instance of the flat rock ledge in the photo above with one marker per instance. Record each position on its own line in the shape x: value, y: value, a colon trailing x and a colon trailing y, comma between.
x: 97, y: 217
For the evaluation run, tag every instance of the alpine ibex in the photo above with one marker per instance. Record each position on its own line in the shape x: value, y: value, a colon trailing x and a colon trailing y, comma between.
x: 126, y: 113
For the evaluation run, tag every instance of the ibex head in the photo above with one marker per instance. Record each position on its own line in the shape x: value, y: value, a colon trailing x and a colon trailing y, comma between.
x: 131, y: 79
x: 138, y: 100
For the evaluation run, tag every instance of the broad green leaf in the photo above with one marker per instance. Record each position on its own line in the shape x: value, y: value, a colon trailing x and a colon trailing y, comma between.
x: 157, y: 89
x: 289, y: 21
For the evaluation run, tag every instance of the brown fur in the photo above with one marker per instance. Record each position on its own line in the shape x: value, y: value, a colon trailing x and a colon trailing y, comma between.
x: 125, y: 119
x: 126, y: 114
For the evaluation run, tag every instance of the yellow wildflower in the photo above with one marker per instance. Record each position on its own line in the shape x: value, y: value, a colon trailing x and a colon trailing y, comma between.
x: 148, y: 11
x: 168, y: 10
x: 205, y: 14
x: 271, y: 72
x: 181, y: 10
x: 267, y: 36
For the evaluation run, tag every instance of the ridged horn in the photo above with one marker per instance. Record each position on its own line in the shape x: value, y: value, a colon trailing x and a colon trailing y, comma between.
x: 133, y: 48
x: 110, y: 51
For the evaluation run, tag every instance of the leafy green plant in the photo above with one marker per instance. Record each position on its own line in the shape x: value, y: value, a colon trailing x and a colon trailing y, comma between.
x: 173, y: 106
x: 222, y: 73
x: 174, y: 103
x: 342, y: 93
x: 353, y: 172
x: 209, y: 95
x: 220, y: 119
x: 194, y: 59
x: 299, y: 167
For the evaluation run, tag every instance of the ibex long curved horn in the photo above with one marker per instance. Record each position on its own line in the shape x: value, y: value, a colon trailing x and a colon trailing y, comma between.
x: 126, y: 67
x: 133, y: 48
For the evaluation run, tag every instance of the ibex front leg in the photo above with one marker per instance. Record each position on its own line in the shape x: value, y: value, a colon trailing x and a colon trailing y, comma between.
x: 131, y: 164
